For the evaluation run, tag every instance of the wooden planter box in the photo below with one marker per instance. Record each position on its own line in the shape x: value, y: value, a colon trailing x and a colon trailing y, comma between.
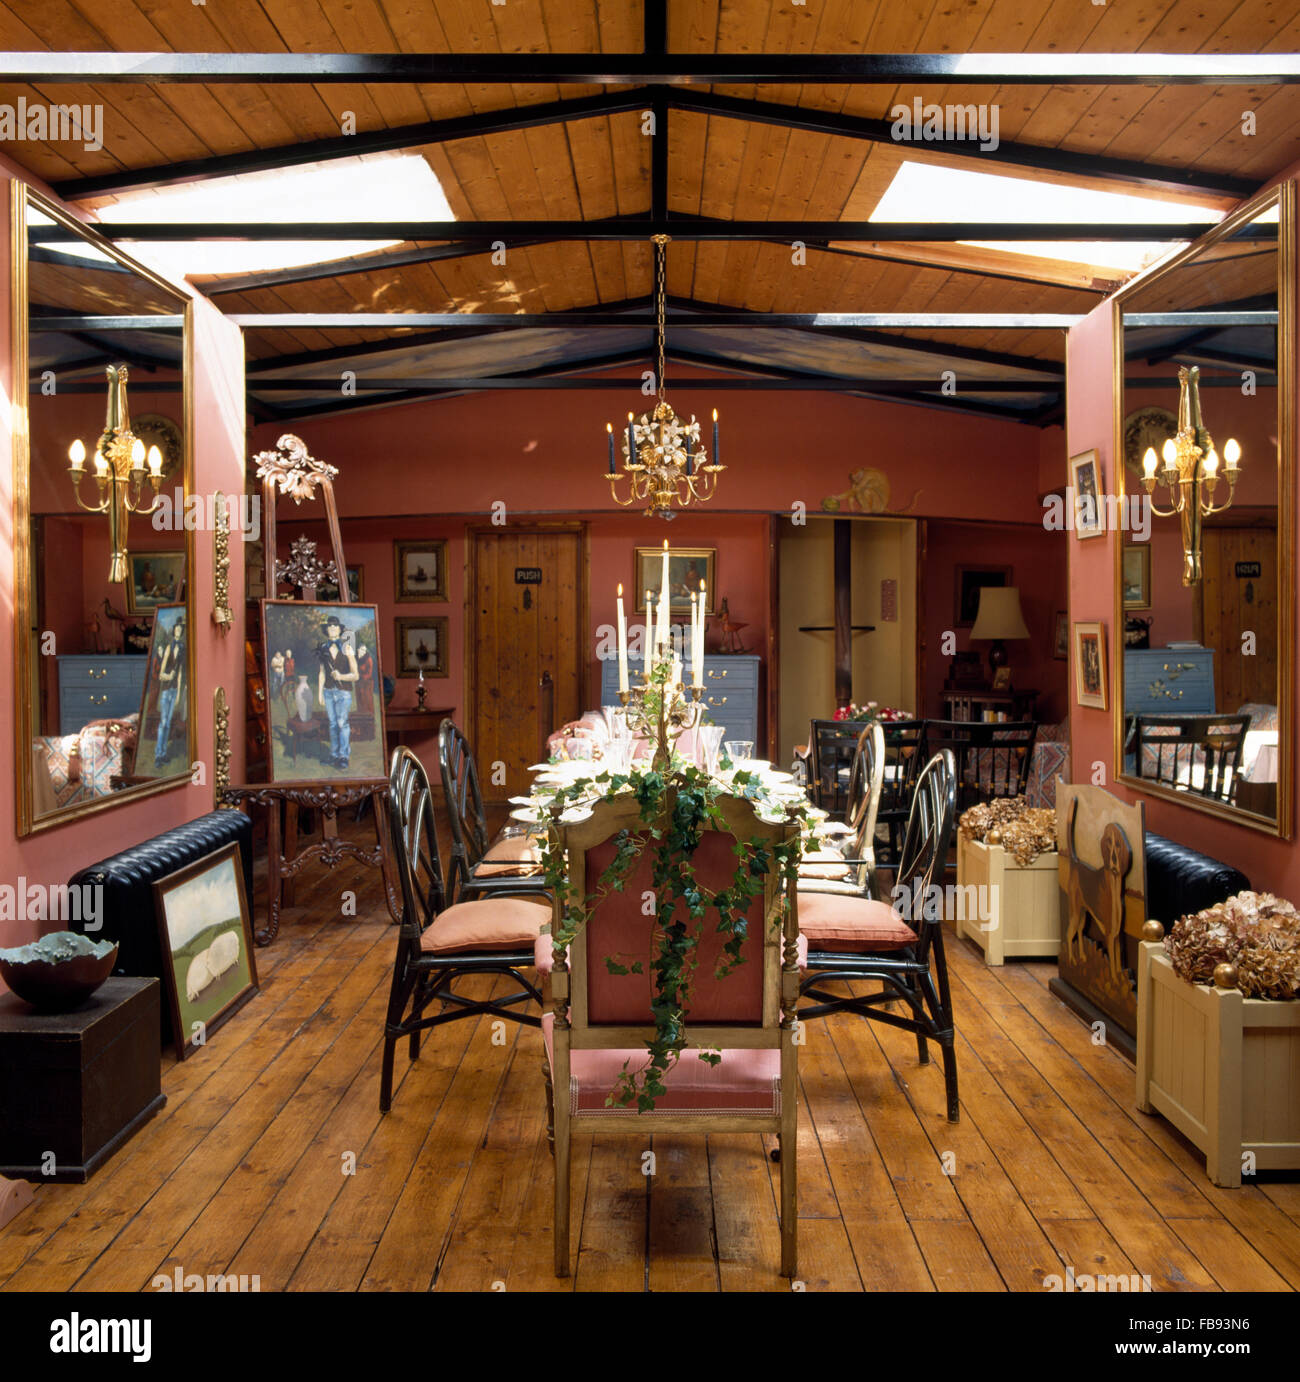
x: 1025, y: 902
x: 1221, y: 1067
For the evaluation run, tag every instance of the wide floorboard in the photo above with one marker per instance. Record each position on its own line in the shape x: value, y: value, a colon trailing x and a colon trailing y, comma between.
x: 271, y: 1158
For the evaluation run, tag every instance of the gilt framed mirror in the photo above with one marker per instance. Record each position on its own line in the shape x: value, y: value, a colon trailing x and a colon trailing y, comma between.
x: 1205, y: 548
x: 103, y: 462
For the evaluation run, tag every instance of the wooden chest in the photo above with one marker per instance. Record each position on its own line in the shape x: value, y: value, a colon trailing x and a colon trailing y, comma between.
x: 1169, y: 681
x: 75, y: 1086
x: 98, y: 687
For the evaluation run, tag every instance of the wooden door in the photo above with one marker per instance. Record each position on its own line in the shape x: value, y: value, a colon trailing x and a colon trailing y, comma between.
x: 527, y: 617
x: 1234, y: 602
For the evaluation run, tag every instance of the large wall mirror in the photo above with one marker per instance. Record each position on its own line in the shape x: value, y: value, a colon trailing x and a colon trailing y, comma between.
x: 104, y: 671
x: 1204, y: 612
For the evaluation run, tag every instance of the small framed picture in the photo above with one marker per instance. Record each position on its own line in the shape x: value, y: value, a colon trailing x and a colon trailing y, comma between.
x: 207, y: 942
x: 1002, y: 678
x: 421, y: 646
x: 1085, y: 479
x: 163, y: 730
x: 155, y: 578
x: 1090, y: 665
x: 420, y: 570
x: 356, y: 586
x: 970, y: 580
x: 1061, y: 638
x: 1137, y: 576
x: 687, y: 567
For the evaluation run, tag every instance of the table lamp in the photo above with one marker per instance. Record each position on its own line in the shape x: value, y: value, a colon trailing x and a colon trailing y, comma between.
x: 998, y: 618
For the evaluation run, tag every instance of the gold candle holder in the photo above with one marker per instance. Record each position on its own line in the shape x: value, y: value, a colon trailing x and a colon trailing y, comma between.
x: 662, y: 710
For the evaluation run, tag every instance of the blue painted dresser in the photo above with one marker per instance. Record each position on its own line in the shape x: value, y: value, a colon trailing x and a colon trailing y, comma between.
x: 1169, y: 681
x: 98, y: 686
x: 731, y: 687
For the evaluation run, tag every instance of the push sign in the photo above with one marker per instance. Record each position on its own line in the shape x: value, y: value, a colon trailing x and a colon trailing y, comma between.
x: 1248, y: 570
x: 528, y: 575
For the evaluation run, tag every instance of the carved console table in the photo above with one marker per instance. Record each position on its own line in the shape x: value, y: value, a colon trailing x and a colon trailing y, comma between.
x: 287, y: 857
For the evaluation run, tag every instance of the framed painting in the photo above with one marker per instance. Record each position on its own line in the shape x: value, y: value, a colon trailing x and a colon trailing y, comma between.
x: 325, y: 707
x: 420, y: 570
x: 422, y: 646
x: 154, y: 578
x: 207, y: 943
x: 687, y: 567
x: 356, y: 586
x: 162, y: 744
x: 1137, y: 576
x: 1089, y: 512
x: 1143, y: 429
x: 1090, y: 665
x: 1061, y: 638
x: 970, y: 580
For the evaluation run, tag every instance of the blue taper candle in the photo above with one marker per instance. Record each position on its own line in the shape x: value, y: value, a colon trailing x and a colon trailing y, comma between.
x: 609, y: 427
x: 631, y: 442
x: 717, y: 460
x: 690, y: 465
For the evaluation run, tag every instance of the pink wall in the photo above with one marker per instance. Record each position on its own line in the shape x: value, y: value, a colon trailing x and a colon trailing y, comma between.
x: 1269, y: 863
x: 545, y: 452
x: 1038, y: 569
x: 52, y: 855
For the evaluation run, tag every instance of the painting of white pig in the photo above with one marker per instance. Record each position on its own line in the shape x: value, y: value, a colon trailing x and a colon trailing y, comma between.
x: 207, y: 939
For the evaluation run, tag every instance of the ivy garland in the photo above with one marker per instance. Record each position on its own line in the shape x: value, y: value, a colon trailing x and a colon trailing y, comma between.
x: 675, y: 809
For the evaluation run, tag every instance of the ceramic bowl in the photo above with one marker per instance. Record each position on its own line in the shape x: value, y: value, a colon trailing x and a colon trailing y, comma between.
x: 59, y: 972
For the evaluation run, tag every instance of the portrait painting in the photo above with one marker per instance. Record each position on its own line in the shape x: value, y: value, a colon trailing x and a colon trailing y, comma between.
x: 162, y: 746
x: 687, y: 567
x: 324, y: 691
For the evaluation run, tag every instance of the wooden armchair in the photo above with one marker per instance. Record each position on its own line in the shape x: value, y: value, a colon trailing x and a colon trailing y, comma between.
x: 597, y: 1022
x: 1196, y: 753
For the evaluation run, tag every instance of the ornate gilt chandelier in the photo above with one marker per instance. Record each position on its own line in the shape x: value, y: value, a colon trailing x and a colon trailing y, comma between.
x: 119, y: 472
x: 663, y: 459
x: 1191, y: 472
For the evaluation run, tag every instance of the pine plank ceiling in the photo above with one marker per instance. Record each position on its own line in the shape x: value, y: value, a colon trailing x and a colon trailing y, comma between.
x: 718, y: 165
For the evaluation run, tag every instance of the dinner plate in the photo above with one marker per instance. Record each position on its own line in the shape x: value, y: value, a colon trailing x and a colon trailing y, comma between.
x: 525, y: 813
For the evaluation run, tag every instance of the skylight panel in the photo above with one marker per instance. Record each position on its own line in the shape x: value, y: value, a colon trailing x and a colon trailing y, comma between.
x: 382, y: 186
x: 930, y: 192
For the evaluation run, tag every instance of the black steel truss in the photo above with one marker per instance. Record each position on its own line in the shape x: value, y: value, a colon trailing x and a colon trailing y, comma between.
x: 1037, y: 157
x: 642, y: 228
x: 655, y: 68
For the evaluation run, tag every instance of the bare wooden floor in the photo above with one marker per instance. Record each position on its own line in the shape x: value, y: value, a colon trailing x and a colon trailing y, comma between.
x: 271, y: 1159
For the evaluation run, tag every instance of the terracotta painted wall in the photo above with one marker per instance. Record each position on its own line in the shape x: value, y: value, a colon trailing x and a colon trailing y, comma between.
x: 1037, y: 560
x: 1270, y: 863
x: 545, y: 452
x: 53, y: 855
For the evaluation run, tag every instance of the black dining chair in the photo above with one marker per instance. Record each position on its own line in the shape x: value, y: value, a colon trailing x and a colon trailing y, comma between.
x: 508, y: 864
x: 831, y: 746
x: 899, y: 946
x: 902, y: 762
x: 1200, y: 754
x: 993, y: 759
x: 438, y: 944
x: 848, y: 867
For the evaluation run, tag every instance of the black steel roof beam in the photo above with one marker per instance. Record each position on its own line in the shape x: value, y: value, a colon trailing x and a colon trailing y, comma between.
x: 671, y: 69
x: 1035, y: 156
x: 350, y: 145
x: 829, y: 383
x: 638, y: 228
x: 585, y: 320
x: 1223, y: 359
x: 654, y: 18
x: 659, y: 159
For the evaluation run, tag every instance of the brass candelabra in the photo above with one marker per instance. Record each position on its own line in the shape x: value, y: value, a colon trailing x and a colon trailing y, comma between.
x: 662, y: 709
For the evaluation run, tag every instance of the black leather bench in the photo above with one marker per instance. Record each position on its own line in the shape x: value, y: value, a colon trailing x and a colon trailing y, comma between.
x: 128, y: 915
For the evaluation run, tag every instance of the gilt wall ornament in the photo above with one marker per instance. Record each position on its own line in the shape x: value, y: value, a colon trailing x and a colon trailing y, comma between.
x: 222, y: 615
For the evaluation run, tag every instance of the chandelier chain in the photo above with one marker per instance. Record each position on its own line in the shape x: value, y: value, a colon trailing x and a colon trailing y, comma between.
x: 661, y: 242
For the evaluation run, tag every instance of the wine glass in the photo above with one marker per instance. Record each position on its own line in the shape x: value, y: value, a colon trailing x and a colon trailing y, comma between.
x: 710, y: 741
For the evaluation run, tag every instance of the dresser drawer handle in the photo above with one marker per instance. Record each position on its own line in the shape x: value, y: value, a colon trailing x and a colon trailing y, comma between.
x: 99, y: 700
x: 717, y: 700
x: 713, y: 672
x: 92, y: 673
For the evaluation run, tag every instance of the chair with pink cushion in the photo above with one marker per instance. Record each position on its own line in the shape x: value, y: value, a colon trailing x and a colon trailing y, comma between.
x: 439, y: 944
x: 899, y: 945
x: 850, y: 871
x: 597, y: 1021
x: 510, y: 864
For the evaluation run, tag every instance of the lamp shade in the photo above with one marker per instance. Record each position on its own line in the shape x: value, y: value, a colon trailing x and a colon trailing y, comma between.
x: 999, y: 614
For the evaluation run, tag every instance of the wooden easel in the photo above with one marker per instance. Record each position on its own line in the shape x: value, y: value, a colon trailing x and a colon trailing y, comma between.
x: 286, y: 856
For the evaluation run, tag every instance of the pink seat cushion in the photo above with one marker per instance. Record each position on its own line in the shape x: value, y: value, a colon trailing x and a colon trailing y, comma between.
x: 498, y: 923
x: 516, y: 854
x: 823, y: 863
x: 544, y: 951
x: 746, y: 1081
x: 831, y: 922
